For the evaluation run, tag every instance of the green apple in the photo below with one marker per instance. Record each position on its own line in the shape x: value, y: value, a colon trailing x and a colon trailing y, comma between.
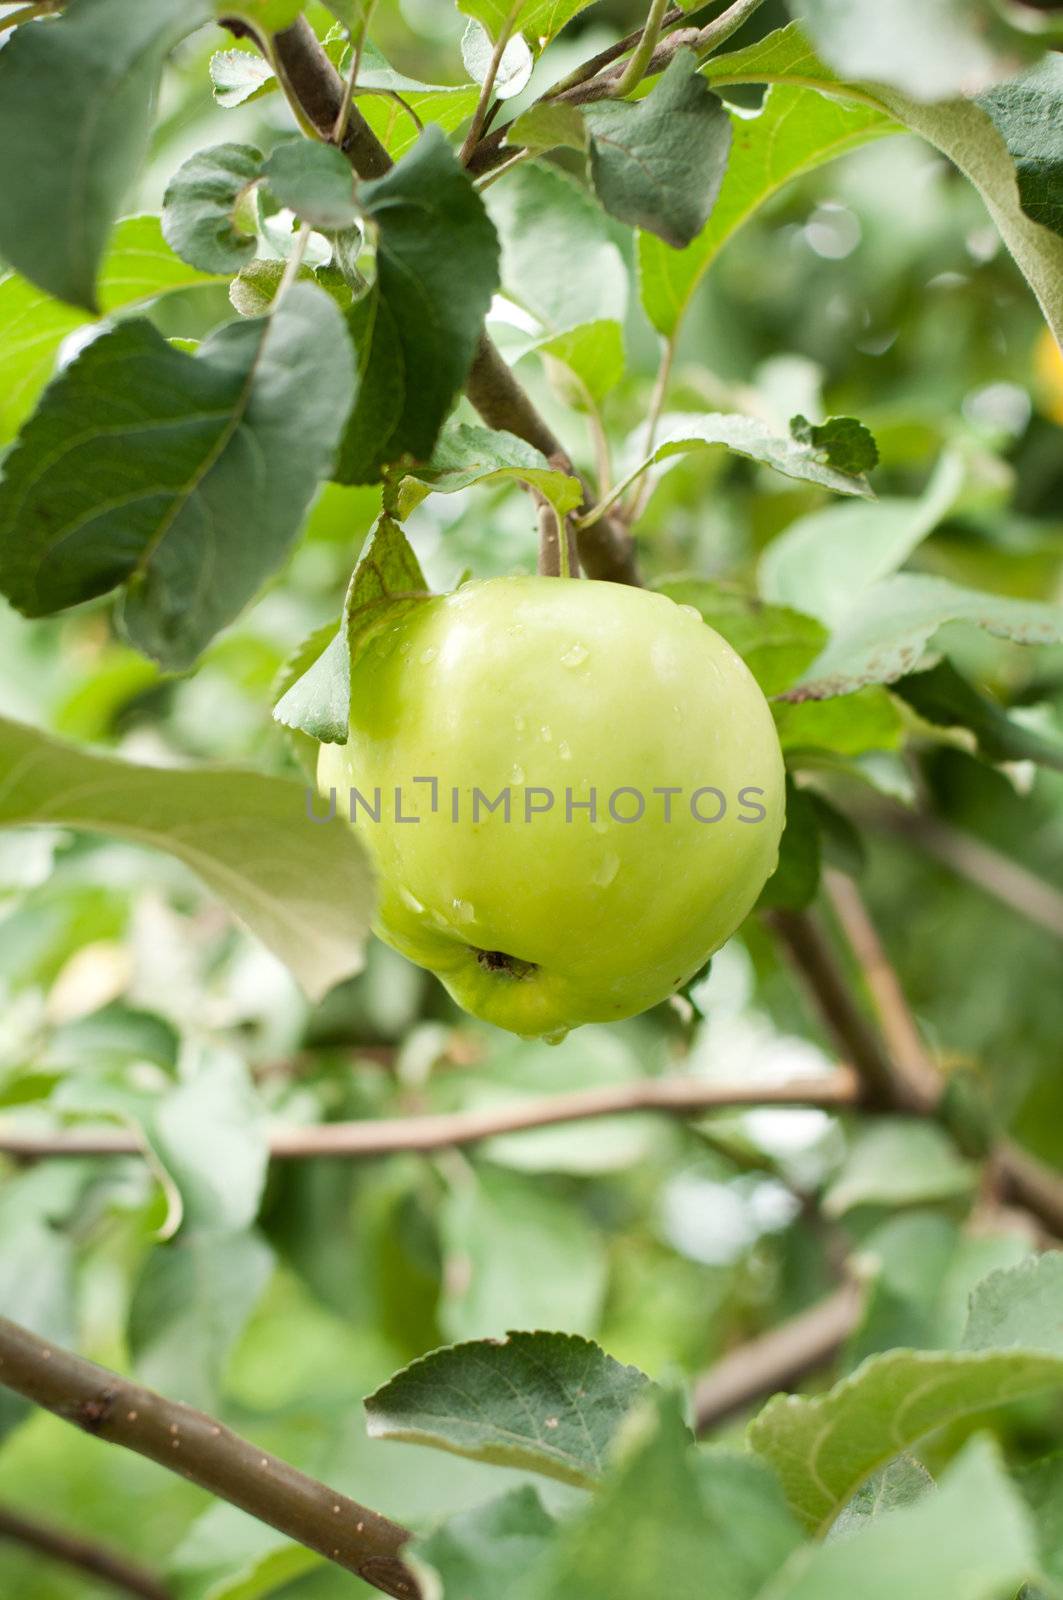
x: 636, y: 780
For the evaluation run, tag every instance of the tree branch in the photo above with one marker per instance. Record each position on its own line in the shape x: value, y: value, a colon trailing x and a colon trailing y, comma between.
x: 776, y: 1360
x: 678, y: 1096
x: 84, y: 1554
x: 606, y: 551
x: 200, y: 1449
x: 903, y: 1079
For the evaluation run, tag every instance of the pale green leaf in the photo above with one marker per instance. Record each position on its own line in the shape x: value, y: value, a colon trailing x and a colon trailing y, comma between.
x: 514, y: 68
x: 748, y: 436
x: 898, y: 1161
x: 227, y: 1555
x: 240, y: 75
x: 548, y: 124
x: 315, y: 181
x: 822, y: 563
x: 139, y: 266
x: 200, y: 209
x: 539, y: 19
x: 776, y: 642
x: 305, y: 891
x: 971, y: 1540
x: 825, y: 1448
x: 889, y: 625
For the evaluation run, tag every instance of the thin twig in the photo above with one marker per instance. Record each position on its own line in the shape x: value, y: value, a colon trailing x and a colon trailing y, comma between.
x: 85, y: 1555
x: 639, y: 61
x: 679, y: 1096
x: 971, y: 858
x: 293, y: 265
x: 605, y: 58
x: 653, y: 419
x: 201, y: 1449
x: 487, y: 87
x: 776, y: 1360
x: 339, y: 127
x: 716, y: 33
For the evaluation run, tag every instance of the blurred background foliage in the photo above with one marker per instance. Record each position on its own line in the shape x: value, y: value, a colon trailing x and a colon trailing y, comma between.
x: 876, y: 285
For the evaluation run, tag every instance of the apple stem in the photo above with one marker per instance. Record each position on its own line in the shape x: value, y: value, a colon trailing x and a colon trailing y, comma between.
x: 557, y: 554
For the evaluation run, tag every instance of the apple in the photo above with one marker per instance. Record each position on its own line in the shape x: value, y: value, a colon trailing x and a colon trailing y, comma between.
x: 636, y: 783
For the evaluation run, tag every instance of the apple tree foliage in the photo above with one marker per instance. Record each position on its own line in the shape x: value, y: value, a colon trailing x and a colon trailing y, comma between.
x: 791, y: 303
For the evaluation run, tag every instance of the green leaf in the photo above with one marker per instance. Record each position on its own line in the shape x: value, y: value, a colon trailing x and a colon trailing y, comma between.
x: 305, y: 891
x: 209, y: 1135
x: 676, y: 1517
x: 559, y: 260
x: 935, y: 52
x: 478, y: 1553
x: 796, y: 131
x: 200, y: 209
x: 822, y: 563
x: 549, y: 1402
x: 38, y: 1261
x: 466, y: 454
x: 593, y: 353
x: 890, y: 624
x: 943, y: 696
x: 793, y: 884
x: 139, y: 266
x: 514, y: 69
x: 190, y: 1304
x: 844, y: 442
x: 539, y: 19
x: 971, y: 1540
x: 658, y: 163
x: 897, y: 1161
x: 75, y: 114
x: 775, y: 642
x: 387, y: 579
x: 962, y: 130
x: 416, y: 333
x: 516, y: 1253
x: 1029, y: 115
x: 315, y: 181
x: 548, y: 124
x: 1041, y: 1486
x: 825, y: 1448
x: 240, y: 75
x: 903, y: 1483
x: 227, y: 1555
x: 748, y: 436
x: 866, y: 720
x: 218, y: 456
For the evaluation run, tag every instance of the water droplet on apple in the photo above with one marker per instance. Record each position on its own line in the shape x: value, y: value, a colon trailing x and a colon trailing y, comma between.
x: 429, y: 654
x: 411, y: 901
x: 692, y: 611
x: 519, y: 723
x: 545, y: 733
x: 606, y: 871
x: 555, y: 1036
x: 575, y: 655
x: 563, y: 751
x: 517, y: 775
x: 464, y: 910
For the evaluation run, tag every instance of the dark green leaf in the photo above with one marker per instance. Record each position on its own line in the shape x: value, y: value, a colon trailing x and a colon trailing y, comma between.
x: 844, y: 442
x: 793, y: 884
x: 75, y: 113
x: 315, y: 181
x: 417, y: 331
x: 775, y: 642
x: 387, y: 579
x: 549, y: 1402
x: 943, y: 696
x: 200, y: 209
x: 548, y: 124
x: 218, y: 456
x: 478, y: 1553
x: 1029, y: 114
x: 658, y: 163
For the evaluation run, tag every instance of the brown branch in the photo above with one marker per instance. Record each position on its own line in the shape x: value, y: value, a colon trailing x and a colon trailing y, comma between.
x: 84, y: 1554
x: 777, y: 1359
x: 679, y: 1096
x: 198, y: 1448
x: 987, y: 868
x: 307, y: 74
x: 902, y: 1078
